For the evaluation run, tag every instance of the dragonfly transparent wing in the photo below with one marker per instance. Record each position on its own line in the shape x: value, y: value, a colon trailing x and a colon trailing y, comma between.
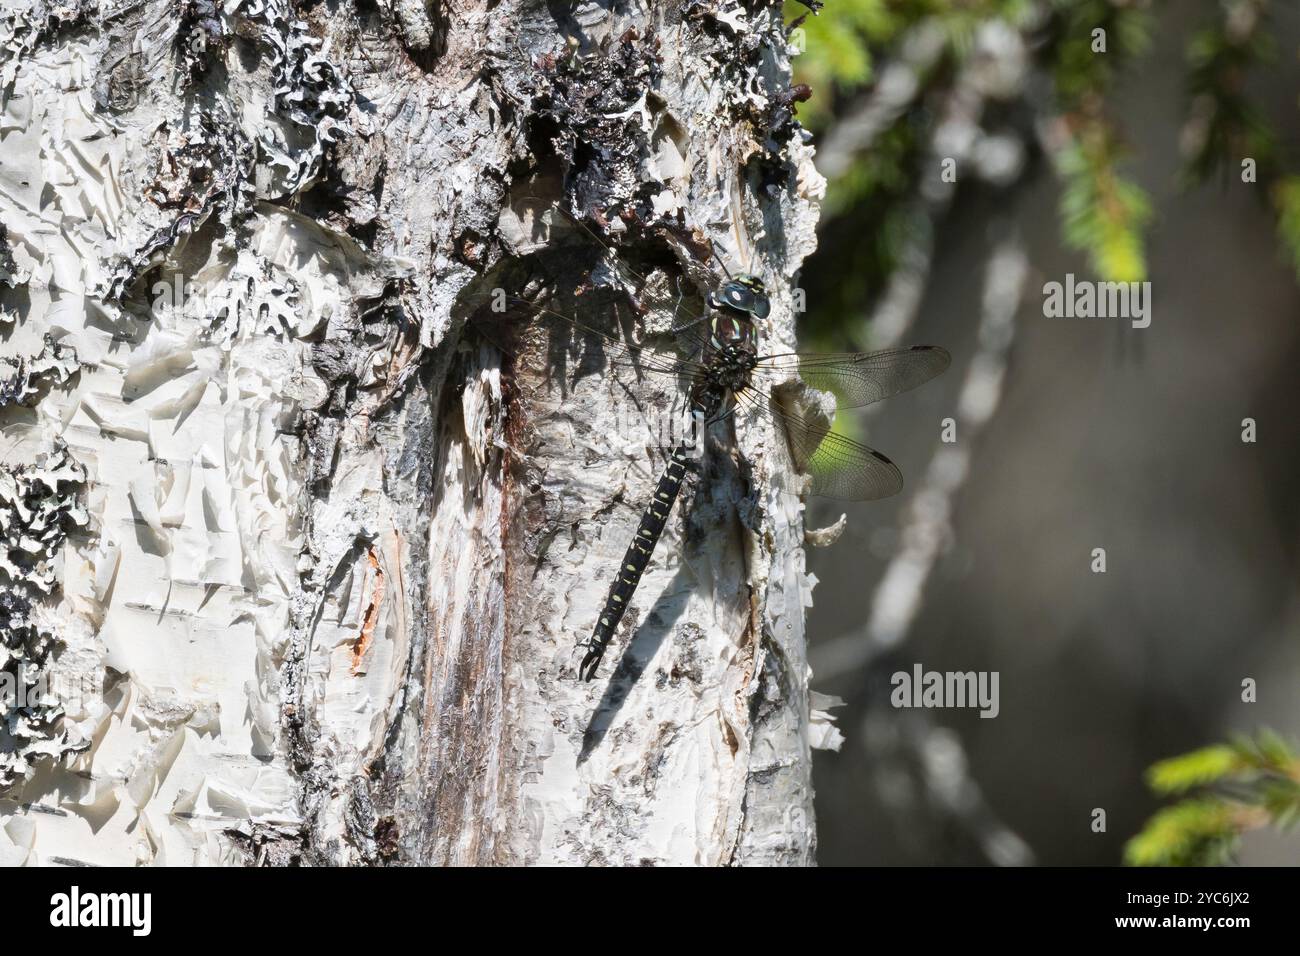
x: 838, y: 466
x: 569, y: 333
x: 856, y: 378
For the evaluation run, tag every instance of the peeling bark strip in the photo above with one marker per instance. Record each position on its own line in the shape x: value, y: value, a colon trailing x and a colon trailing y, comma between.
x: 371, y: 617
x: 338, y: 547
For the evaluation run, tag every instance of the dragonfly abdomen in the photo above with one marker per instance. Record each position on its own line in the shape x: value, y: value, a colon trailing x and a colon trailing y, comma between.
x: 635, y: 561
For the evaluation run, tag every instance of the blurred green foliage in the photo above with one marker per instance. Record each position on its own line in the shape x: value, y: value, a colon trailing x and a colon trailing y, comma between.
x: 874, y: 210
x: 1228, y: 789
x: 1082, y: 71
x: 1286, y: 197
x: 845, y: 40
x: 1224, y: 127
x: 1063, y: 105
x: 1102, y: 213
x: 876, y: 197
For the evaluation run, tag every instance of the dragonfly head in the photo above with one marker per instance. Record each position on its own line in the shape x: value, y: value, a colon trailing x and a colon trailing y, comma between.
x: 744, y: 294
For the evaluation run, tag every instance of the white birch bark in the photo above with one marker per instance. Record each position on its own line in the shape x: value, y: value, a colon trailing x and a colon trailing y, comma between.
x: 297, y: 562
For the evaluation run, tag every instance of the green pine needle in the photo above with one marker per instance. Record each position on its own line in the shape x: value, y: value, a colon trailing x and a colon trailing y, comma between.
x: 1253, y: 782
x: 1286, y: 199
x: 1193, y: 832
x: 1196, y: 769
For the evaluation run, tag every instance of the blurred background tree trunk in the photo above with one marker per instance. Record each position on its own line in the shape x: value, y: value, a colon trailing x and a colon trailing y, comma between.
x: 1104, y: 139
x: 301, y: 562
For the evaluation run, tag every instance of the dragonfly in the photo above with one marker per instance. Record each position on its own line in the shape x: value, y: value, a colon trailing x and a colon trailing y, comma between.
x: 725, y: 369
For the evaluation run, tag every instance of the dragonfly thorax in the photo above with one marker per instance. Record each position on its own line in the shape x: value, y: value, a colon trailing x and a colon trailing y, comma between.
x: 732, y: 366
x: 733, y: 336
x: 729, y: 329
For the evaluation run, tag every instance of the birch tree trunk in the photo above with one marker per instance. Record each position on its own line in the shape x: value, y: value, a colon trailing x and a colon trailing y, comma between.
x: 297, y: 559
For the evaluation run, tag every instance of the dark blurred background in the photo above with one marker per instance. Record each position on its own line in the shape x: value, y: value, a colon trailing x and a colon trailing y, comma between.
x: 1072, y: 434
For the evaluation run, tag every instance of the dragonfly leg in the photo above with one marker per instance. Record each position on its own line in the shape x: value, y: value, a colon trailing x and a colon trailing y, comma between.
x: 727, y: 410
x: 587, y: 669
x: 678, y: 304
x: 685, y: 326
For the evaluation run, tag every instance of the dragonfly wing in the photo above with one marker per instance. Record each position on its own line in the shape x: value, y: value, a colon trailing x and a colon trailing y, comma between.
x: 838, y: 466
x: 570, y: 334
x: 843, y: 468
x: 857, y: 378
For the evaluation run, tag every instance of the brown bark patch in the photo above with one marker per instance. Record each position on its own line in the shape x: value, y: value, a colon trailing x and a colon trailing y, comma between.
x: 372, y: 613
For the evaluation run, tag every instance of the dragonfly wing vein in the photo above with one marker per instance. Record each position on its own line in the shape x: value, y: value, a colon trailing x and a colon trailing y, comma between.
x: 857, y: 378
x: 839, y: 466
